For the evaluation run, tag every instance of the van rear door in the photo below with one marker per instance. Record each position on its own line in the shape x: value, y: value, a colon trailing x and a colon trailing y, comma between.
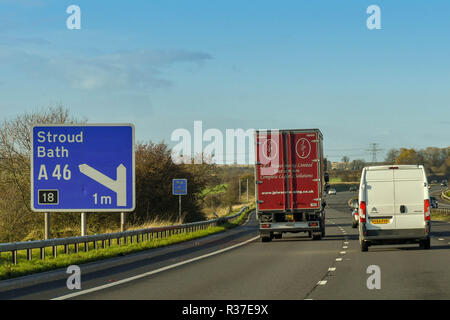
x: 409, y: 185
x: 380, y: 199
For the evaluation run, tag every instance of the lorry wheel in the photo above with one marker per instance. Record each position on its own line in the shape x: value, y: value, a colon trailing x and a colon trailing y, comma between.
x: 364, y: 246
x: 278, y: 236
x: 266, y: 239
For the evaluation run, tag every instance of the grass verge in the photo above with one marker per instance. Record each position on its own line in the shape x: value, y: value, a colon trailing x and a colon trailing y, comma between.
x: 440, y: 216
x: 24, y: 267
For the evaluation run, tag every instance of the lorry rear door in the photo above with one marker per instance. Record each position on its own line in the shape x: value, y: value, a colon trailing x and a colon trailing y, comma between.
x: 303, y: 170
x: 270, y: 154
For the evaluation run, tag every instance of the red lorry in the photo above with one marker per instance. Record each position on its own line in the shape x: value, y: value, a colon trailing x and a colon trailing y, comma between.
x: 290, y: 182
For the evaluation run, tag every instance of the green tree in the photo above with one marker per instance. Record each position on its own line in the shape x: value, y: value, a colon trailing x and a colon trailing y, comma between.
x: 408, y: 156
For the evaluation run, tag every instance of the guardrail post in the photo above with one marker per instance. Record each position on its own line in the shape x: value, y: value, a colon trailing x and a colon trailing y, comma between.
x: 14, y: 256
x: 29, y: 254
x: 77, y: 247
x: 55, y: 251
x: 86, y: 247
x: 42, y: 253
x: 66, y: 249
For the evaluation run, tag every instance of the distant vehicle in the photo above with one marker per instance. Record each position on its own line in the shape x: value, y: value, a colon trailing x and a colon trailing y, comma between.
x: 355, y: 218
x: 394, y: 206
x: 332, y: 191
x: 433, y: 203
x: 355, y: 215
x: 353, y: 188
x: 444, y: 183
x: 291, y: 202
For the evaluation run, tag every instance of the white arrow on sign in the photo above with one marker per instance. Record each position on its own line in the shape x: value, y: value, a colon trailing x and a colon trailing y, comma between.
x: 119, y: 186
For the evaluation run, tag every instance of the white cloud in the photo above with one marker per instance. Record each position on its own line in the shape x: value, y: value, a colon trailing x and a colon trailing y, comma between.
x: 119, y: 70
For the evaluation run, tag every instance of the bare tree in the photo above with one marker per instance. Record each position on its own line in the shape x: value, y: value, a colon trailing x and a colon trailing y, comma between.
x: 15, y: 151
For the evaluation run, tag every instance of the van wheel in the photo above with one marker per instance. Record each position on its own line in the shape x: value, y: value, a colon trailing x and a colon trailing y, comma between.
x: 317, y: 235
x: 266, y: 239
x: 364, y: 246
x: 425, y: 244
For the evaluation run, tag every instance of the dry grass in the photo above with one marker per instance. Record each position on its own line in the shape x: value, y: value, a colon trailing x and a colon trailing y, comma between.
x: 224, y: 210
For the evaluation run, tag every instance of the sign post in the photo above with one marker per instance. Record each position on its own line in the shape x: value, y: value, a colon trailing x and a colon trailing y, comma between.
x: 83, y: 223
x: 46, y: 225
x: 82, y: 168
x: 179, y: 188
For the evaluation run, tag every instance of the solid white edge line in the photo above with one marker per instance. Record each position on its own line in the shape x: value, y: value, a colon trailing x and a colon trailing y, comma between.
x: 79, y: 293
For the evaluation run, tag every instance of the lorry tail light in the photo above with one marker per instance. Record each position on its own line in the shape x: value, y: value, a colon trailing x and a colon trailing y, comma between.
x: 313, y: 224
x: 362, y: 207
x: 265, y: 225
x: 426, y: 209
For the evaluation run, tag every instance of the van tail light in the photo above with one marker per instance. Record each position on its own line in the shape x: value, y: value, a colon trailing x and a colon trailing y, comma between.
x: 362, y: 215
x: 426, y: 209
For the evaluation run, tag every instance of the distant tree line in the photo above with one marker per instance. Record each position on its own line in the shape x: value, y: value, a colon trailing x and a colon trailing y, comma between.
x: 435, y: 160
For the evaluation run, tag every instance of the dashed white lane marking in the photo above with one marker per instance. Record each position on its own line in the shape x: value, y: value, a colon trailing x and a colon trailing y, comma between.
x: 344, y: 247
x: 441, y: 239
x: 146, y: 274
x: 346, y: 242
x: 322, y: 283
x: 342, y: 252
x: 338, y: 259
x: 331, y: 269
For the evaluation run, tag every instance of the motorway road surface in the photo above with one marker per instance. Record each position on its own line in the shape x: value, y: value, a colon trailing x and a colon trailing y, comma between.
x: 286, y: 269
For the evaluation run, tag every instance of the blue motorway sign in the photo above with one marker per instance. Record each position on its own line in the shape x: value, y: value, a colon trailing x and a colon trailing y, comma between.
x: 179, y: 187
x: 83, y: 168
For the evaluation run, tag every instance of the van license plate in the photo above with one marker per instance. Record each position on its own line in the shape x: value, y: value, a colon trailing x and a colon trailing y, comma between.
x: 379, y: 221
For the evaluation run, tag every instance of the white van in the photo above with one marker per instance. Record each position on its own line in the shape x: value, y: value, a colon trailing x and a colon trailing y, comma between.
x: 394, y: 206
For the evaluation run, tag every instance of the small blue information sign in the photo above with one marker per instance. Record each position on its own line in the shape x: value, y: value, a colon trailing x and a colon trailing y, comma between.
x: 83, y: 168
x: 179, y: 187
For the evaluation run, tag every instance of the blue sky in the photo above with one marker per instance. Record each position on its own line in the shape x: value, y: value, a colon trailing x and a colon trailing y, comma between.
x: 237, y: 64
